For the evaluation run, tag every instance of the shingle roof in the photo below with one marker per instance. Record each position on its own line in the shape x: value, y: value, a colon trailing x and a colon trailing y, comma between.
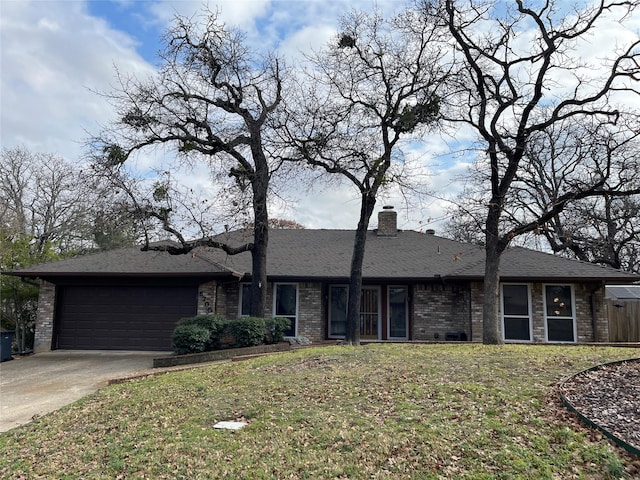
x: 127, y: 261
x: 313, y: 254
x: 518, y: 262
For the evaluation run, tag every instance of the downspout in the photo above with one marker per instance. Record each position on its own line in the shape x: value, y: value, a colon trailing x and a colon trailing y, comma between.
x: 594, y: 319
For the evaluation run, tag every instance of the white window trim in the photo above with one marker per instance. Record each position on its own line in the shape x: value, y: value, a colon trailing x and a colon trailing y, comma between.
x: 573, y: 312
x: 406, y: 310
x: 330, y: 335
x: 530, y: 315
x: 275, y: 293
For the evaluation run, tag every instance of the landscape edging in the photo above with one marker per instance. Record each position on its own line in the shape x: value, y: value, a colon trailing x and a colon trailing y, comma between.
x: 569, y: 406
x: 216, y: 355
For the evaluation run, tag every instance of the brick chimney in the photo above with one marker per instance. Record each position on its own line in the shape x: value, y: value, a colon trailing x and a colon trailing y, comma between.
x: 387, y: 222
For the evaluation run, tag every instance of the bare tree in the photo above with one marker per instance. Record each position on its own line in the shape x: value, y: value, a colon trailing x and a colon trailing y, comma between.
x: 51, y: 201
x: 519, y: 75
x: 600, y: 229
x: 603, y: 228
x: 49, y: 208
x: 211, y: 103
x: 371, y: 89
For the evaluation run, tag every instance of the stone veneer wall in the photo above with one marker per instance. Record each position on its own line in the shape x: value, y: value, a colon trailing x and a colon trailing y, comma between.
x: 44, y: 317
x: 584, y: 322
x: 208, y: 298
x: 440, y: 309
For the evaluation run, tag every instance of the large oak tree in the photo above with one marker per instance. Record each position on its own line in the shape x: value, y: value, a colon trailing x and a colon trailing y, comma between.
x: 212, y: 102
x: 373, y: 88
x: 519, y: 74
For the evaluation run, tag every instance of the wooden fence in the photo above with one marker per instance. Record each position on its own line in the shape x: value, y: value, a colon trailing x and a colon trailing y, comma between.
x: 624, y: 320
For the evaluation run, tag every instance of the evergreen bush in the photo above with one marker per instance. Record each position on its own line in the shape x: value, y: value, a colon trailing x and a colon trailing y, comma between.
x: 190, y: 338
x: 214, y: 324
x: 274, y: 329
x: 247, y: 331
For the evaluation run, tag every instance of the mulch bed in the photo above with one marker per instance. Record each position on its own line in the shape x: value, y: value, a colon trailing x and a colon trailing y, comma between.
x: 610, y: 397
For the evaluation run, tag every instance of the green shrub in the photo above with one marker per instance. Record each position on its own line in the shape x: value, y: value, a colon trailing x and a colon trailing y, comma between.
x: 274, y: 329
x: 190, y: 338
x: 247, y: 331
x: 214, y: 324
x: 203, y: 333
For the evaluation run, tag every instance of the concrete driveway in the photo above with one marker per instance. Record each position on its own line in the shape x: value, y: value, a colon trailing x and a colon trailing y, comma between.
x: 38, y: 384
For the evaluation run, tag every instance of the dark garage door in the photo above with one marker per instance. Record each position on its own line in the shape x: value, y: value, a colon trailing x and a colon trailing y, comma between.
x: 121, y: 318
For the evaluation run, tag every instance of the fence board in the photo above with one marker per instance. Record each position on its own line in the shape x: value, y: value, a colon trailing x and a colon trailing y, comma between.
x: 624, y: 320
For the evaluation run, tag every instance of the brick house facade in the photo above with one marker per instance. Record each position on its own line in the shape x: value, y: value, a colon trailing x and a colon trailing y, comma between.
x: 416, y: 287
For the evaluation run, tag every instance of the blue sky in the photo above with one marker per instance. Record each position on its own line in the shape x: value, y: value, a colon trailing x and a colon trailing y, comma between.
x: 132, y: 18
x: 55, y: 55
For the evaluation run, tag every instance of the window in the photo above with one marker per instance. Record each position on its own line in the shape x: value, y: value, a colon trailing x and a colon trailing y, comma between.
x: 369, y: 311
x: 285, y: 305
x: 245, y: 299
x: 337, y: 310
x: 398, y: 312
x: 559, y: 313
x: 516, y: 313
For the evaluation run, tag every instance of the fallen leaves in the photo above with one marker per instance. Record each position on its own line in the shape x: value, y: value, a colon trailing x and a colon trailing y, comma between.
x: 610, y: 397
x: 376, y: 412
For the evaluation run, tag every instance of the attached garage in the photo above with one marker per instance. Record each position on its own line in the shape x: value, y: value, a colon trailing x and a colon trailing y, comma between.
x: 103, y: 317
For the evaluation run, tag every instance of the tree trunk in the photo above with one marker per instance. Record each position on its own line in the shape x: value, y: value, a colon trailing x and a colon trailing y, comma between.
x: 491, y: 333
x: 352, y: 334
x: 260, y: 184
x: 259, y: 271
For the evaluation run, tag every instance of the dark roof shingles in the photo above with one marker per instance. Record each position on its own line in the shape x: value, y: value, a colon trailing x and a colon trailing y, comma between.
x: 308, y: 254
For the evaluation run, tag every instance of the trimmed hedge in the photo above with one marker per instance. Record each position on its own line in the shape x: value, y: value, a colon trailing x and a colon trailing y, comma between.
x: 190, y: 338
x: 204, y: 333
x: 247, y: 331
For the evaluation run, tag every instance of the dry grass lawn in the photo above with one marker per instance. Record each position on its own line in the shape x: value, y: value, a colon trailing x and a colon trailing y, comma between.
x: 379, y: 411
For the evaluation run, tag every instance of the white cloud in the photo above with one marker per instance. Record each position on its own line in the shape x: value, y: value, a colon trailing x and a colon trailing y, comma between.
x: 306, y: 40
x: 53, y: 55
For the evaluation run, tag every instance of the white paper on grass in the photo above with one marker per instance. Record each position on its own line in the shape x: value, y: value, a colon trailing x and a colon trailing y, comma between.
x: 230, y: 425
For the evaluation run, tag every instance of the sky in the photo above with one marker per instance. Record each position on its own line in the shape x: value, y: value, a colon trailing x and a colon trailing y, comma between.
x: 56, y: 56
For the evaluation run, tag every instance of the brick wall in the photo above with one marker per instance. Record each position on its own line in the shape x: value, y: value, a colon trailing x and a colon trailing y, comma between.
x: 228, y: 300
x: 310, y: 307
x: 583, y: 294
x: 44, y: 317
x: 440, y: 309
x: 537, y: 311
x: 584, y: 322
x: 311, y: 322
x: 477, y: 301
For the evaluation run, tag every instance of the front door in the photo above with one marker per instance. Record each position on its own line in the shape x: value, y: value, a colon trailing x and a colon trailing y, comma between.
x: 370, y: 313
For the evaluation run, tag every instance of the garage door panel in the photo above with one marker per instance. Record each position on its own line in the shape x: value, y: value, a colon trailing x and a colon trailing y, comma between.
x: 121, y: 318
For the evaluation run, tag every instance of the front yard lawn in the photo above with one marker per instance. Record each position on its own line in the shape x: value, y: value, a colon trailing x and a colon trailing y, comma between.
x: 378, y: 411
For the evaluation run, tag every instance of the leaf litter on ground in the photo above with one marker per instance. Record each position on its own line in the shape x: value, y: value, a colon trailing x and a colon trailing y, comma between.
x: 387, y: 411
